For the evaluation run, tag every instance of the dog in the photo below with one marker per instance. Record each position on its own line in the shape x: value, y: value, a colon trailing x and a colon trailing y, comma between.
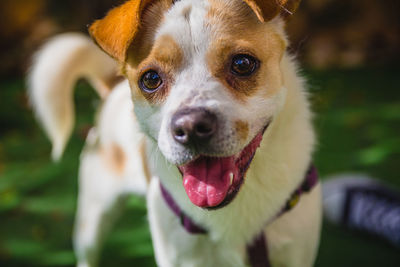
x: 211, y: 122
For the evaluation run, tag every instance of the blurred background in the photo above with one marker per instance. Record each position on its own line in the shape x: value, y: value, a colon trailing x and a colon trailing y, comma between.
x: 349, y: 51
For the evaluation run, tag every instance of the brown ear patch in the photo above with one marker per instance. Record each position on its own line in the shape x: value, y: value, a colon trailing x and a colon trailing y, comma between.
x: 117, y: 30
x: 268, y: 9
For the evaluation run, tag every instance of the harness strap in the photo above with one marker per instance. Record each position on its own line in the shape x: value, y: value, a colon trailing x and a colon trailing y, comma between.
x: 310, y: 180
x: 186, y: 222
x: 257, y: 251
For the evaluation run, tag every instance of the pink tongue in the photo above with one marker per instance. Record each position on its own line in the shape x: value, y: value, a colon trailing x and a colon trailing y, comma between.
x: 207, y: 180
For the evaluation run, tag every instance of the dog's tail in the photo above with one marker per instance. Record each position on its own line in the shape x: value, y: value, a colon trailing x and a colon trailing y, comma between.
x: 55, y: 70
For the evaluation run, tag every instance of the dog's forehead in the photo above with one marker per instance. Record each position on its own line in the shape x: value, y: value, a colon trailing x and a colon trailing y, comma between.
x: 198, y: 26
x: 186, y: 23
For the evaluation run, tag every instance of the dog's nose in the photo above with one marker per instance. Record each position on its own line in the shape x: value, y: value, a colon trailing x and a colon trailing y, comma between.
x: 193, y: 126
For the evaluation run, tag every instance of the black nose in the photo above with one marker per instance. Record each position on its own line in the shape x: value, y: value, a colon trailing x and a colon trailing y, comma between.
x: 193, y: 126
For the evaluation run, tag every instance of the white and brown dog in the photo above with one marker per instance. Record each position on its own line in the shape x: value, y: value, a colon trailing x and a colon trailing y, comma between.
x: 219, y: 120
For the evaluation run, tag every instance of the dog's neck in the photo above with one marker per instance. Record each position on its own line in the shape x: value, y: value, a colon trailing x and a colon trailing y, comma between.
x: 275, y: 172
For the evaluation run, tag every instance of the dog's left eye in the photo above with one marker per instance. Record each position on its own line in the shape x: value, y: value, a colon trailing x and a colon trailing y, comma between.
x: 150, y: 81
x: 243, y: 65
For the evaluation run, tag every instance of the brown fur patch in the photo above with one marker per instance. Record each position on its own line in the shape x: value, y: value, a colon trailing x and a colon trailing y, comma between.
x: 242, y: 129
x: 238, y: 31
x: 112, y: 81
x: 114, y: 157
x: 105, y: 85
x: 167, y: 53
x: 166, y: 58
x: 146, y: 168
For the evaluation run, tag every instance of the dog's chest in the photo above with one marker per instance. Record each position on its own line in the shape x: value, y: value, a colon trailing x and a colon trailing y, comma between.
x: 174, y: 246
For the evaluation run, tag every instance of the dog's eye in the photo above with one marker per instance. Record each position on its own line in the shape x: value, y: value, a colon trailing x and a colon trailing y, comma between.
x: 150, y: 81
x: 243, y: 65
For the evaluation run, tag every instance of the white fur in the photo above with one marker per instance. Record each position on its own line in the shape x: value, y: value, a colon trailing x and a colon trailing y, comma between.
x: 276, y: 171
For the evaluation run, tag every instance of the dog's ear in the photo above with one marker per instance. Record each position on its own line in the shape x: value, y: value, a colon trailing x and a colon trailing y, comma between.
x: 118, y: 29
x: 268, y: 9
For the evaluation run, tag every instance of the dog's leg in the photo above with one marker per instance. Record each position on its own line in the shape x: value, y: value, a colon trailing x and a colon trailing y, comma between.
x: 112, y: 167
x: 99, y: 206
x: 94, y: 221
x: 102, y: 193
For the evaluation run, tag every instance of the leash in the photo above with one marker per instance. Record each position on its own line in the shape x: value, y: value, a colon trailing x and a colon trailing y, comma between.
x: 257, y: 251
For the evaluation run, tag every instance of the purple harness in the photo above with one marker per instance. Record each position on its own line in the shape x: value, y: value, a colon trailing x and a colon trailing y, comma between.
x: 257, y: 251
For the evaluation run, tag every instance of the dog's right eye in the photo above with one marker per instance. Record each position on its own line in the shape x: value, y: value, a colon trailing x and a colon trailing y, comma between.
x: 243, y: 65
x: 150, y: 81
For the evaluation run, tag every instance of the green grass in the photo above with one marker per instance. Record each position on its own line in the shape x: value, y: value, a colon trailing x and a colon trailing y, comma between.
x: 357, y: 120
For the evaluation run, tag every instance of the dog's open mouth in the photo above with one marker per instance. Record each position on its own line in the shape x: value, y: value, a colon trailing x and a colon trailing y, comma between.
x: 213, y: 182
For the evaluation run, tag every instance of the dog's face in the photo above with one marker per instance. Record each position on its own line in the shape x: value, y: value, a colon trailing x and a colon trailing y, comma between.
x: 206, y: 82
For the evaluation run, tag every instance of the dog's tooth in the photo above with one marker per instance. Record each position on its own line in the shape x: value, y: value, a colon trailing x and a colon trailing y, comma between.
x: 231, y: 177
